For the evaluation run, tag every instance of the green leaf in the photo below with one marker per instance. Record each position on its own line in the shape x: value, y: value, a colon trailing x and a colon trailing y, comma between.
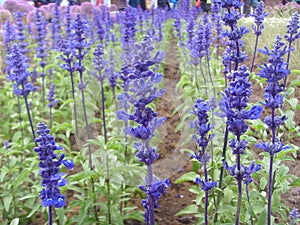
x: 191, y: 209
x: 293, y: 102
x: 83, y: 175
x: 263, y: 218
x: 61, y: 216
x: 228, y: 195
x: 7, y: 201
x: 190, y: 176
x: 136, y: 215
x: 15, y: 221
x: 263, y: 183
x: 32, y: 195
x: 35, y: 208
x: 296, y: 183
x: 21, y: 177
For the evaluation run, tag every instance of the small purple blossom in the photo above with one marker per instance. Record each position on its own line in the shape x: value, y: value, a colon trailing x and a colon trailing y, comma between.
x: 272, y: 148
x: 293, y: 215
x: 205, y: 186
x: 245, y: 172
x: 154, y: 192
x: 51, y: 97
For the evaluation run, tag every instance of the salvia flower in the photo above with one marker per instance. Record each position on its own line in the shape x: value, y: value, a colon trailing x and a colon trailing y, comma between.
x: 51, y: 97
x: 18, y: 73
x: 206, y: 186
x: 9, y: 34
x: 292, y: 35
x: 79, y: 41
x: 67, y: 25
x: 293, y: 215
x: 140, y: 89
x: 244, y: 173
x: 234, y: 106
x: 232, y: 4
x: 274, y: 72
x: 272, y: 148
x: 40, y: 24
x: 99, y: 63
x: 154, y: 193
x: 56, y: 26
x: 50, y: 164
x: 20, y: 34
x: 259, y: 15
x: 202, y: 137
x: 293, y: 28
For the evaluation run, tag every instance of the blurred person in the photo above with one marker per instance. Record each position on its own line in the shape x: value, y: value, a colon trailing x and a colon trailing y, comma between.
x: 163, y: 4
x: 174, y: 3
x: 153, y: 4
x: 205, y: 5
x: 143, y: 4
x: 247, y: 7
x: 135, y: 3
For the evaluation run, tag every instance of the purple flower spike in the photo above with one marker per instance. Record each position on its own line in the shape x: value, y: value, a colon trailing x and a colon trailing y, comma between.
x: 259, y: 16
x: 139, y: 90
x: 51, y: 97
x: 49, y: 168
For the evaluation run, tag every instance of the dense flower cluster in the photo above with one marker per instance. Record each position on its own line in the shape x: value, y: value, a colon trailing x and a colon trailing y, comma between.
x: 140, y: 91
x: 274, y: 72
x: 259, y: 15
x: 155, y: 191
x: 20, y: 31
x: 41, y: 28
x: 49, y: 165
x: 18, y: 72
x: 56, y: 26
x: 293, y: 28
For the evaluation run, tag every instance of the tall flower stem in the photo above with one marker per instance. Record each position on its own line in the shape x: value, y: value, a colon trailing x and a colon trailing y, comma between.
x: 210, y: 76
x: 288, y: 61
x: 107, y: 181
x: 254, y: 53
x: 103, y: 112
x: 239, y: 204
x: 50, y: 116
x: 222, y: 171
x: 204, y: 78
x: 206, y: 192
x: 196, y: 79
x: 20, y: 120
x: 50, y: 215
x: 88, y: 137
x: 74, y: 99
x: 270, y: 180
x: 151, y: 202
x: 43, y: 87
x: 248, y: 198
x: 270, y: 184
x: 86, y: 124
x: 29, y: 116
